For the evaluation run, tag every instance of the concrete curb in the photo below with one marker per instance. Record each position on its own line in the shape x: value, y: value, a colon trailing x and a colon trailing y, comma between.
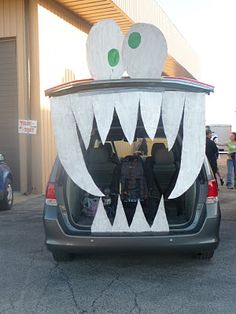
x: 20, y: 198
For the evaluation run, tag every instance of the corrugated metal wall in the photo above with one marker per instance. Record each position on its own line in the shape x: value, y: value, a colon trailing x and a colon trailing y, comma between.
x: 57, y: 54
x: 8, y: 19
x: 62, y: 57
x: 150, y: 12
x: 46, y: 42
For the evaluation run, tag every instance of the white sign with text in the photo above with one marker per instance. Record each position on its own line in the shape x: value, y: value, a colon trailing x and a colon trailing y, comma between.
x: 27, y: 127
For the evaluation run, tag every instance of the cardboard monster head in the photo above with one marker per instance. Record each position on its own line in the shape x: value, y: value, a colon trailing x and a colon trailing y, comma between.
x: 141, y: 53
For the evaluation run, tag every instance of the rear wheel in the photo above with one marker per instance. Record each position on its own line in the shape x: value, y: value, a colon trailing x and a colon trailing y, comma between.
x: 206, y: 255
x: 62, y: 256
x: 7, y: 201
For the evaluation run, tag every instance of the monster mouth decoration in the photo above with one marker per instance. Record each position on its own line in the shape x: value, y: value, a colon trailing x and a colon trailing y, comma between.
x: 78, y: 110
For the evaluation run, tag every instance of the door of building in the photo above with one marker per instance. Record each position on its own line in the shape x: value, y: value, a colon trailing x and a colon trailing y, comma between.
x: 9, y: 143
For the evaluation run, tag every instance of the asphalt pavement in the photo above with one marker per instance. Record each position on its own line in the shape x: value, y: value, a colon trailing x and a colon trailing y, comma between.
x: 31, y: 282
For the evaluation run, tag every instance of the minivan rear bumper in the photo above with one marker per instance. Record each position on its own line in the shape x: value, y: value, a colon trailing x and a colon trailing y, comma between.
x: 207, y: 238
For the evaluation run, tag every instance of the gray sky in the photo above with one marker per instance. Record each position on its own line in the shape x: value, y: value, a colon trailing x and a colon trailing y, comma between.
x: 209, y: 26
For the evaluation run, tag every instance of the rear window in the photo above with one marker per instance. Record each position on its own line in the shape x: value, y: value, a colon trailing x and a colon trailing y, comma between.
x: 141, y: 146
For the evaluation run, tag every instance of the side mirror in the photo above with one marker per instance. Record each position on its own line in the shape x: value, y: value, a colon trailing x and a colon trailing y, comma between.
x: 2, y: 157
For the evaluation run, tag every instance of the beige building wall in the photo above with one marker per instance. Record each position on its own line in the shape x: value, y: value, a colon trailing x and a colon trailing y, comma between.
x: 50, y: 43
x: 12, y: 25
x: 150, y: 12
x: 62, y: 58
x: 50, y: 51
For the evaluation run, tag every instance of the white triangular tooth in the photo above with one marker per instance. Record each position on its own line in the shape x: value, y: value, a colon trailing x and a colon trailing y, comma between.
x: 68, y: 146
x: 194, y: 141
x: 160, y: 223
x: 82, y: 107
x: 103, y: 106
x: 101, y: 222
x: 139, y: 222
x: 150, y: 107
x: 172, y: 111
x: 127, y: 105
x: 120, y: 223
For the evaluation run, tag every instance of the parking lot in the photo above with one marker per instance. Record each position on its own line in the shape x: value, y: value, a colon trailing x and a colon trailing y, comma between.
x: 31, y: 282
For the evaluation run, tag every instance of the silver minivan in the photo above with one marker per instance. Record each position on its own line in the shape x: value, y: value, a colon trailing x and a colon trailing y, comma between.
x: 148, y: 200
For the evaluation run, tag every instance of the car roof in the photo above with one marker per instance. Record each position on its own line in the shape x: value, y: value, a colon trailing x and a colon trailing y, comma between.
x: 162, y: 84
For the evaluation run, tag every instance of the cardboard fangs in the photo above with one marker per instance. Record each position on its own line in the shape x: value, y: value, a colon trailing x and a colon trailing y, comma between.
x: 141, y: 53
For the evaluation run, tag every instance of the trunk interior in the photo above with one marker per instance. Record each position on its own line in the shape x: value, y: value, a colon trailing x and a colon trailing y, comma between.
x: 144, y: 171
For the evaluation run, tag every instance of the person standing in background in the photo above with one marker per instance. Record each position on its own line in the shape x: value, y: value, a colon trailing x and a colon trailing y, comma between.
x: 231, y: 163
x: 211, y: 152
x: 141, y: 147
x: 231, y: 173
x: 214, y: 137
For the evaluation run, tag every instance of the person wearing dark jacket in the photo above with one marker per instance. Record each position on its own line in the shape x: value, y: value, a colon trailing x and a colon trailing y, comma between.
x: 211, y: 152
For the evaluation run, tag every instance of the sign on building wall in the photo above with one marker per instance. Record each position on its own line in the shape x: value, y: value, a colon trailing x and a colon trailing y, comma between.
x: 27, y: 127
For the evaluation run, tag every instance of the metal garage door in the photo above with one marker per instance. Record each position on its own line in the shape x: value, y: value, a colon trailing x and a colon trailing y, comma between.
x: 9, y: 144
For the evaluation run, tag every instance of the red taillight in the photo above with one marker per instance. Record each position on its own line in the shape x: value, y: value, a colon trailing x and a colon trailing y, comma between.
x: 51, y: 195
x: 212, y: 195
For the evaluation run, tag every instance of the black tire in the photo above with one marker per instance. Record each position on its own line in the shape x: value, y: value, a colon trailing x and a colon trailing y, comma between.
x: 62, y: 256
x: 206, y: 255
x: 8, y: 197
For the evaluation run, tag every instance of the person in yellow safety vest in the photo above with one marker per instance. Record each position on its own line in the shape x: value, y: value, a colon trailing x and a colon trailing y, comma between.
x: 231, y: 160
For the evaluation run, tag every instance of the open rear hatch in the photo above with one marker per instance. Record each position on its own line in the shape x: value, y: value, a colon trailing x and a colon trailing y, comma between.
x: 132, y: 154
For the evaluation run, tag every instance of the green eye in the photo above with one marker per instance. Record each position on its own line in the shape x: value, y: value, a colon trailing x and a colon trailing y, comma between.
x: 104, y: 45
x: 134, y: 40
x: 113, y: 57
x: 144, y: 51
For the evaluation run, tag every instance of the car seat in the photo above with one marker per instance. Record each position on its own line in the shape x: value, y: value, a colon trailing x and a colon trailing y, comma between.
x: 101, y: 165
x: 113, y: 156
x: 164, y: 168
x: 161, y: 171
